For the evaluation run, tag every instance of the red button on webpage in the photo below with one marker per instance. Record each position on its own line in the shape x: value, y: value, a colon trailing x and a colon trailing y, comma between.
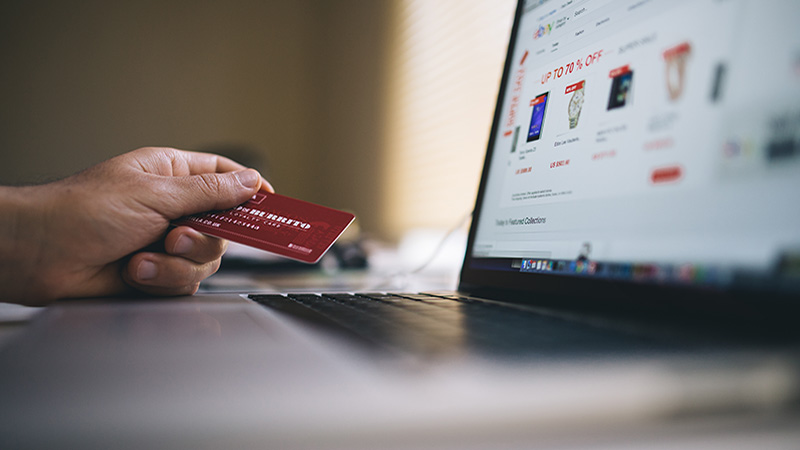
x: 666, y: 174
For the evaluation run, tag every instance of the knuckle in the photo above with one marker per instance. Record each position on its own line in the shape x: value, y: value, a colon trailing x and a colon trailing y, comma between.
x: 188, y: 274
x: 188, y: 289
x: 209, y: 248
x: 217, y: 249
x: 210, y: 183
x: 177, y: 273
x: 215, y: 266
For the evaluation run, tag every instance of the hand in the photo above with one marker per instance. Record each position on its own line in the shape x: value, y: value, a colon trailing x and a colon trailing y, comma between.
x: 104, y: 231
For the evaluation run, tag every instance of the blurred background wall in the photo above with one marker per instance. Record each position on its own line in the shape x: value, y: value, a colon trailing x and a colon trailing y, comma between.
x: 355, y: 104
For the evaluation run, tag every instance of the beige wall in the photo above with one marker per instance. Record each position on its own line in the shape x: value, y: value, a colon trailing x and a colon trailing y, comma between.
x: 296, y: 81
x: 347, y: 149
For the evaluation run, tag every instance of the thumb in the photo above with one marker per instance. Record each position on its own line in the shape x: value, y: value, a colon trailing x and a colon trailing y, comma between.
x: 207, y: 192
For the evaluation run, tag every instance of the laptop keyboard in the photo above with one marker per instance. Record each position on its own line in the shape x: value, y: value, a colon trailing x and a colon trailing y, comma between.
x: 448, y: 323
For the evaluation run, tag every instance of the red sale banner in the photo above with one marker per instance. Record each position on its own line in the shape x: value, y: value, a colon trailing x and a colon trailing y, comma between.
x: 539, y: 99
x: 575, y: 87
x: 677, y: 50
x: 619, y: 71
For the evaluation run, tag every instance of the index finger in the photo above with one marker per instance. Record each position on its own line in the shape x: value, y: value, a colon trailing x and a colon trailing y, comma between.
x: 179, y: 163
x: 199, y: 162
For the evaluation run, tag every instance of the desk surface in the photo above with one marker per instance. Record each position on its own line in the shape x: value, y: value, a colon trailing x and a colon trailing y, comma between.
x: 14, y: 319
x: 767, y: 428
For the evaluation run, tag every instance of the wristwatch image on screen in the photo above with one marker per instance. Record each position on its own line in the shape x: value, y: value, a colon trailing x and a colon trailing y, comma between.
x: 575, y: 106
x: 676, y: 60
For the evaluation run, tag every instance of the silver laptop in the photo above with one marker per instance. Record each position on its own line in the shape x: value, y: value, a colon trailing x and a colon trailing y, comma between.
x: 634, y: 255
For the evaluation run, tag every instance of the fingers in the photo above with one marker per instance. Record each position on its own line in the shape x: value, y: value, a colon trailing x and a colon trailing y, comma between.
x: 193, y: 182
x: 162, y: 274
x: 266, y: 185
x: 191, y: 257
x: 197, y: 163
x: 194, y: 246
x: 208, y: 162
x: 180, y: 196
x: 179, y: 163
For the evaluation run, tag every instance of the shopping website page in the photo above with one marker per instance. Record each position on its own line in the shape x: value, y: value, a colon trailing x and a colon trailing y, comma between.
x: 652, y: 136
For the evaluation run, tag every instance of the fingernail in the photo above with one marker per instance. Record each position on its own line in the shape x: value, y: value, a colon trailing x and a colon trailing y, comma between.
x: 183, y: 245
x: 146, y: 270
x: 266, y: 185
x: 248, y: 178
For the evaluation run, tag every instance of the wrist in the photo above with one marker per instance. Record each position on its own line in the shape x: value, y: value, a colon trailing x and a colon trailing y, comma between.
x: 22, y: 235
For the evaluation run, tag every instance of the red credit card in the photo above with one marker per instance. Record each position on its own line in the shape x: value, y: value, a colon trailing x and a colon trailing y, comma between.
x: 275, y: 223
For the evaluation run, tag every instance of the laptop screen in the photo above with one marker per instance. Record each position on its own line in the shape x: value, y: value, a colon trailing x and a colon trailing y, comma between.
x: 647, y: 141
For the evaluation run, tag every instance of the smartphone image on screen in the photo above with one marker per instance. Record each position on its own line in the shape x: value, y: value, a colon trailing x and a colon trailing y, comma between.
x: 620, y: 90
x: 539, y: 105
